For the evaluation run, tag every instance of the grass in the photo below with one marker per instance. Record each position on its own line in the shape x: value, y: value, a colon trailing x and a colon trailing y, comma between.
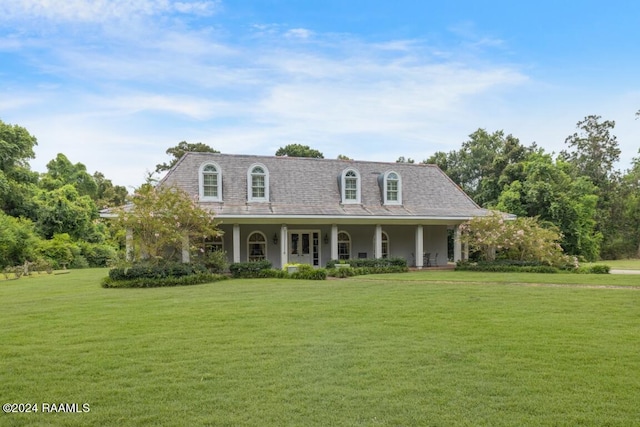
x: 417, y: 349
x: 622, y: 264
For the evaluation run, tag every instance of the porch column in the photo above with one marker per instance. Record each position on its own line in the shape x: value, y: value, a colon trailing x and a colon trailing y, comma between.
x: 419, y: 246
x: 129, y: 253
x: 185, y: 248
x: 236, y: 242
x: 334, y: 241
x: 377, y: 253
x: 457, y: 244
x: 284, y: 245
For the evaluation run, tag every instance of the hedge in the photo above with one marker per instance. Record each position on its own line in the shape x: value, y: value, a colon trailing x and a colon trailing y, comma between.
x: 147, y: 282
x: 370, y: 262
x: 151, y: 271
x: 506, y: 266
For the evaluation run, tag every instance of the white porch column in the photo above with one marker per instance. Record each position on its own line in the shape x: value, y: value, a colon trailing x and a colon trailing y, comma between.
x: 419, y: 246
x: 457, y: 244
x: 236, y: 242
x: 334, y: 241
x: 284, y: 245
x: 377, y: 253
x: 185, y: 248
x: 129, y: 253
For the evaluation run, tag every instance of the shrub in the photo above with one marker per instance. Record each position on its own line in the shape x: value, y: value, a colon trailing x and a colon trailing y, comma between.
x: 249, y: 269
x: 216, y: 261
x: 594, y: 269
x: 147, y: 282
x: 152, y: 271
x: 310, y: 274
x: 370, y: 262
x: 507, y: 266
x: 360, y: 271
x: 97, y: 254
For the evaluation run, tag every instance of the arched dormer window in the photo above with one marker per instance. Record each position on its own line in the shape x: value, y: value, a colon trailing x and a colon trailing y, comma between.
x: 351, y: 186
x: 258, y: 183
x: 210, y: 182
x: 392, y: 189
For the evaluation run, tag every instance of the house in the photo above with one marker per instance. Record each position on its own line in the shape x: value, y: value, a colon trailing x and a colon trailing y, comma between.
x: 307, y: 210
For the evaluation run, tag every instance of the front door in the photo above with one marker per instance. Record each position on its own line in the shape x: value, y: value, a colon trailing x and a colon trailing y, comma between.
x: 303, y: 247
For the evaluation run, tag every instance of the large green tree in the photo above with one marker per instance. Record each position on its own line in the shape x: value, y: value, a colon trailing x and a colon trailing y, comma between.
x: 180, y: 150
x: 17, y: 181
x: 478, y: 167
x: 548, y: 190
x: 299, y: 150
x: 64, y: 210
x: 60, y: 172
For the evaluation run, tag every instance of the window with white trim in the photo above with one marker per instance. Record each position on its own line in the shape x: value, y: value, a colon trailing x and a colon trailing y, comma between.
x: 258, y: 184
x: 344, y: 245
x: 213, y: 244
x: 392, y: 189
x: 256, y: 247
x: 210, y: 180
x: 351, y: 186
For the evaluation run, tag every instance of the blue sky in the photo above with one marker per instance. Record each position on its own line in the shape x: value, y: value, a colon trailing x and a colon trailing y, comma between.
x: 114, y: 83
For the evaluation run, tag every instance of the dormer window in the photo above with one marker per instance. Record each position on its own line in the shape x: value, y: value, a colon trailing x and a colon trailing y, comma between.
x: 210, y: 180
x: 351, y: 186
x: 258, y: 184
x: 392, y: 189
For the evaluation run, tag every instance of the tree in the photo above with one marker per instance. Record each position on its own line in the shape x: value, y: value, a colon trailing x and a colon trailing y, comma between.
x: 594, y: 150
x: 108, y: 194
x: 17, y: 240
x: 547, y: 190
x: 64, y: 210
x: 481, y: 162
x: 179, y: 150
x: 298, y: 150
x: 17, y: 181
x: 60, y: 172
x: 402, y: 159
x: 523, y: 239
x: 343, y: 157
x: 160, y: 218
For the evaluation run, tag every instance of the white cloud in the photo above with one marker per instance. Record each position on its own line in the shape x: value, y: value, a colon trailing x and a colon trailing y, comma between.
x: 95, y: 11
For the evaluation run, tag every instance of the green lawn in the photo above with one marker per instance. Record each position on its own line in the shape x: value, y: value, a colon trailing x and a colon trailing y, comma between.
x: 417, y: 349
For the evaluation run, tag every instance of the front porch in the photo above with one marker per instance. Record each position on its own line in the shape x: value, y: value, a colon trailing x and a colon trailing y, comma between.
x: 316, y: 244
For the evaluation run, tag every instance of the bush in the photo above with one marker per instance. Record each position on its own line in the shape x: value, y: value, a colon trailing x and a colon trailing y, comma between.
x: 146, y: 282
x: 152, y: 271
x: 507, y: 266
x: 594, y: 269
x: 370, y: 262
x: 216, y: 261
x: 361, y: 271
x: 310, y: 274
x: 98, y: 254
x: 249, y: 269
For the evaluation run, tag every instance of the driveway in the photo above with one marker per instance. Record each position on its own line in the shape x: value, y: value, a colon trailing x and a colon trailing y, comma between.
x: 624, y: 271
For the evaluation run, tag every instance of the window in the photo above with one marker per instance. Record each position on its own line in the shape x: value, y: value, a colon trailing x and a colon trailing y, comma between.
x: 210, y: 182
x: 256, y: 247
x: 344, y: 245
x: 385, y: 245
x: 392, y: 189
x: 258, y: 183
x: 350, y: 186
x: 214, y: 244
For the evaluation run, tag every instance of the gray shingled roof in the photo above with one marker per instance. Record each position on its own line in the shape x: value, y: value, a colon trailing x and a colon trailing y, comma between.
x: 310, y: 187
